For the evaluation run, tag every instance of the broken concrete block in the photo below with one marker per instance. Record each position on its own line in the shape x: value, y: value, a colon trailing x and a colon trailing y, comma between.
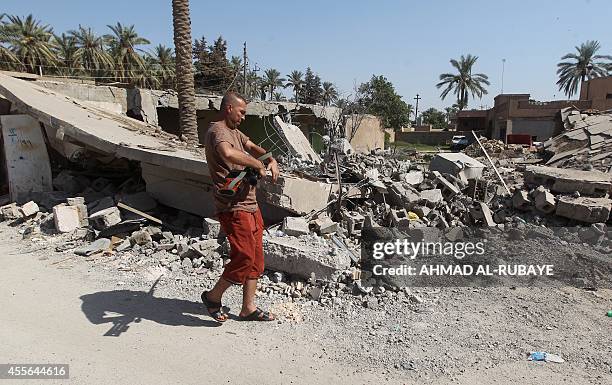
x: 301, y: 257
x: 105, y: 218
x: 457, y: 164
x: 399, y: 218
x: 295, y: 226
x: 564, y: 180
x: 10, y: 212
x: 126, y: 244
x: 584, y: 209
x: 66, y: 218
x: 101, y: 204
x: 97, y: 246
x: 325, y: 225
x: 520, y: 200
x: 75, y: 201
x: 481, y: 212
x: 433, y: 196
x: 29, y: 209
x: 354, y: 222
x: 449, y: 190
x: 207, y: 248
x: 141, y: 237
x: 140, y: 201
x: 83, y: 217
x: 414, y: 178
x: 212, y: 227
x: 544, y: 200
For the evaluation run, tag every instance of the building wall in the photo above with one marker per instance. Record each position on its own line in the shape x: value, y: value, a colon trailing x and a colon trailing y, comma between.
x: 599, y: 92
x: 541, y: 129
x: 431, y: 138
x: 369, y: 134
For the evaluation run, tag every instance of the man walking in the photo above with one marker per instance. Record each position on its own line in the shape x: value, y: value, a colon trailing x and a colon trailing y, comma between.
x: 228, y: 149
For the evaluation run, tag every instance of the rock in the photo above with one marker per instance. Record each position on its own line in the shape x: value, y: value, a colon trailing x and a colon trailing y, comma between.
x: 301, y: 257
x: 413, y: 178
x: 105, y: 218
x: 66, y: 218
x: 433, y: 196
x: 10, y: 212
x: 324, y: 225
x: 125, y: 245
x: 75, y: 201
x: 295, y: 226
x: 96, y: 246
x: 544, y: 200
x: 520, y: 200
x: 206, y: 248
x: 212, y: 227
x: 187, y: 265
x: 277, y: 277
x: 315, y: 293
x: 584, y: 209
x: 29, y: 209
x: 141, y: 237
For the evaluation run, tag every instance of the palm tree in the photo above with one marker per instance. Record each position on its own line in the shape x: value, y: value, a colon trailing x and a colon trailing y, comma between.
x: 273, y: 80
x: 65, y: 49
x: 463, y: 82
x: 147, y: 75
x: 164, y: 65
x: 585, y: 67
x: 330, y: 94
x: 188, y: 124
x: 123, y: 49
x: 90, y: 53
x: 295, y: 80
x: 8, y: 60
x: 278, y: 97
x: 30, y: 42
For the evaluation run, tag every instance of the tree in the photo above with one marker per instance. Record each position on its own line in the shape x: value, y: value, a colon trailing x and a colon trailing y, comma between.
x: 585, y: 67
x: 379, y: 98
x: 272, y: 80
x: 188, y: 124
x: 8, y: 60
x: 90, y: 51
x: 295, y: 81
x: 330, y: 94
x: 463, y: 82
x: 30, y: 42
x: 278, y: 97
x: 123, y: 49
x: 164, y: 65
x: 434, y: 117
x: 65, y: 48
x: 214, y: 72
x: 312, y: 91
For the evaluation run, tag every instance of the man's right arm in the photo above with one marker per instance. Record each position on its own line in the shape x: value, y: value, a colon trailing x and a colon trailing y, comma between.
x: 230, y: 155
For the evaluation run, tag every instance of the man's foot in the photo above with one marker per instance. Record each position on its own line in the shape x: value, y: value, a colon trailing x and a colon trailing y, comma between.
x: 215, y: 309
x: 257, y: 315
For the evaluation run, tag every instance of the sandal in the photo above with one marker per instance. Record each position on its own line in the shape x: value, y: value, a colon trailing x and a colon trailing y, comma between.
x: 258, y: 315
x: 218, y: 315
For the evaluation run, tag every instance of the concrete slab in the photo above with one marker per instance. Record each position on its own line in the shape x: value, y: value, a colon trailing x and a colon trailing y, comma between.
x: 561, y: 180
x: 584, y: 209
x: 295, y: 140
x: 457, y: 164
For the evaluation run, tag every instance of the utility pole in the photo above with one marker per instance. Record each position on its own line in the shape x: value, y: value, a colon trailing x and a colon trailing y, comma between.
x: 503, y: 68
x: 244, y: 71
x: 416, y: 110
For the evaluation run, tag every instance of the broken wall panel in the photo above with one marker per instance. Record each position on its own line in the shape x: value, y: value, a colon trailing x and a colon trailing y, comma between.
x: 26, y: 157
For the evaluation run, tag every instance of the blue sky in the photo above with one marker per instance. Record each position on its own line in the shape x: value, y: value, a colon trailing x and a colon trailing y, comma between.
x: 345, y: 42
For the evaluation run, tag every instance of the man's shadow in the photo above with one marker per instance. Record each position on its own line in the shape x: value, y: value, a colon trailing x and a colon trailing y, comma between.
x: 122, y: 307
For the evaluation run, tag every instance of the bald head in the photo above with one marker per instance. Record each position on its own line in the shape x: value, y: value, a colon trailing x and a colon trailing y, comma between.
x: 233, y: 109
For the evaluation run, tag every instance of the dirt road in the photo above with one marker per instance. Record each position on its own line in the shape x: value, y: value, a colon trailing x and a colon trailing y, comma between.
x: 112, y: 331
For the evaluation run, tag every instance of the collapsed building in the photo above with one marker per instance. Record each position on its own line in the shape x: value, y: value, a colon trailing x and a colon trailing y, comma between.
x: 115, y: 177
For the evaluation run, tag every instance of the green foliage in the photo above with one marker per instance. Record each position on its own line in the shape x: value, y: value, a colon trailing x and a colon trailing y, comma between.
x: 295, y: 80
x: 311, y: 92
x: 463, y: 83
x: 584, y: 67
x: 379, y: 98
x: 30, y: 42
x: 272, y: 81
x: 434, y: 117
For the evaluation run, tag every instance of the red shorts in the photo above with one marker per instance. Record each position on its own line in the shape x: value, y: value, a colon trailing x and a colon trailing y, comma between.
x: 244, y: 231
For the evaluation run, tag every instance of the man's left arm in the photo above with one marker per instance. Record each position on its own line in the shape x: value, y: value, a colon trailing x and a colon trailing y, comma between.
x: 256, y: 152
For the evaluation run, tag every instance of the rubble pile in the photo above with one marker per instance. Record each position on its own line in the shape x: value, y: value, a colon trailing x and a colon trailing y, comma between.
x: 586, y: 142
x: 496, y: 149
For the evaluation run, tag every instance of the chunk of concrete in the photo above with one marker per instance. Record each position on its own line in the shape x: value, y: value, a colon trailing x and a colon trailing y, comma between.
x: 544, y: 200
x: 481, y: 213
x: 141, y: 237
x: 29, y: 209
x: 399, y: 218
x: 105, y: 218
x: 212, y: 227
x: 301, y: 257
x: 457, y: 164
x: 564, y: 180
x: 66, y: 218
x: 520, y: 200
x: 295, y: 226
x: 584, y: 209
x: 296, y: 141
x: 433, y: 196
x: 325, y: 225
x: 10, y: 212
x: 75, y: 201
x: 354, y: 222
x: 449, y: 190
x: 414, y: 178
